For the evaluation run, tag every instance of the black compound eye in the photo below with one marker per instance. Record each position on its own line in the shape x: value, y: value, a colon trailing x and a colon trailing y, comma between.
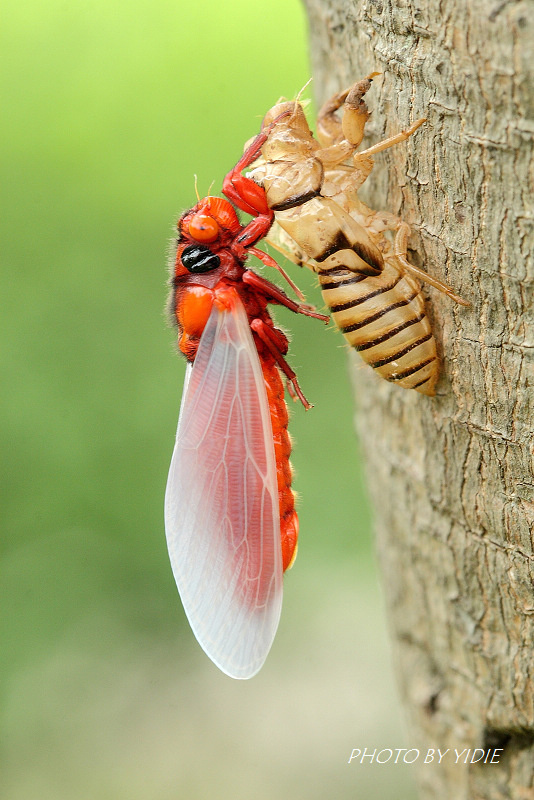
x: 199, y: 258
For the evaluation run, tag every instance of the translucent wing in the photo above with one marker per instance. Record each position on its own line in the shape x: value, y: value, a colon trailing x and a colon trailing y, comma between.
x: 221, y: 504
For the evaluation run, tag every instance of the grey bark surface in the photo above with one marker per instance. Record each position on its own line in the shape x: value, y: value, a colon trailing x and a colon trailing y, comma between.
x: 451, y: 478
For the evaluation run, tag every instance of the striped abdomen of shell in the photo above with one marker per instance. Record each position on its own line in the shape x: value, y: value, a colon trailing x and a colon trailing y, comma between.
x: 384, y: 318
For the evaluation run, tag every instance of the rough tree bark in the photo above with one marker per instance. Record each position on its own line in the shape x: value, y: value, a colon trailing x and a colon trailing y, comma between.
x: 451, y: 477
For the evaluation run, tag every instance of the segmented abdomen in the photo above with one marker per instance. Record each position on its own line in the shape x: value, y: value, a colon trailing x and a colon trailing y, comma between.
x: 289, y: 524
x: 384, y: 318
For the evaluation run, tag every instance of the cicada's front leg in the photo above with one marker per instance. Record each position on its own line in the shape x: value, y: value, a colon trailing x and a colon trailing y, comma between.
x: 334, y: 133
x: 330, y: 129
x: 249, y: 197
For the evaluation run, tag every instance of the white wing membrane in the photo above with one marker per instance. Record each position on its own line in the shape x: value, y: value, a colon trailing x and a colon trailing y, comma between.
x: 221, y: 504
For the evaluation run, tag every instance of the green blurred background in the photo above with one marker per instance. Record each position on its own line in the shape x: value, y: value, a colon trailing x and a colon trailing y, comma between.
x: 110, y: 108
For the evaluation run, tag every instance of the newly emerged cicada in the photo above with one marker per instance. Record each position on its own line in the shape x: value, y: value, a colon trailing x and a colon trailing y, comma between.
x: 230, y: 515
x: 366, y: 279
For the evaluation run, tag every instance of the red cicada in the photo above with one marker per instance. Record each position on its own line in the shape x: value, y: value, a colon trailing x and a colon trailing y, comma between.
x: 229, y: 509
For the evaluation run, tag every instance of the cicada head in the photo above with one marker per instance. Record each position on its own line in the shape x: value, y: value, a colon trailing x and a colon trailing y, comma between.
x: 212, y: 220
x: 205, y: 232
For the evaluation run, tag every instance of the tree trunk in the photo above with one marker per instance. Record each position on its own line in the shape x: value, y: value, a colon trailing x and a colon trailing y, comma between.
x: 451, y: 477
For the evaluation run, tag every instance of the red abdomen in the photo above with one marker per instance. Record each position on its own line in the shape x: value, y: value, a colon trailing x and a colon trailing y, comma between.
x: 289, y: 523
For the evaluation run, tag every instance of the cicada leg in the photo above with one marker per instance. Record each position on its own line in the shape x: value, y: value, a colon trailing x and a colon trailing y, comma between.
x: 400, y: 254
x: 272, y: 339
x: 270, y: 262
x: 276, y: 295
x: 330, y: 129
x: 248, y: 196
x: 390, y: 141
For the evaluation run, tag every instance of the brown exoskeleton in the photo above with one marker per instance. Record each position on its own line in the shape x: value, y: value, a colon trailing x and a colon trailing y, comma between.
x: 367, y: 281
